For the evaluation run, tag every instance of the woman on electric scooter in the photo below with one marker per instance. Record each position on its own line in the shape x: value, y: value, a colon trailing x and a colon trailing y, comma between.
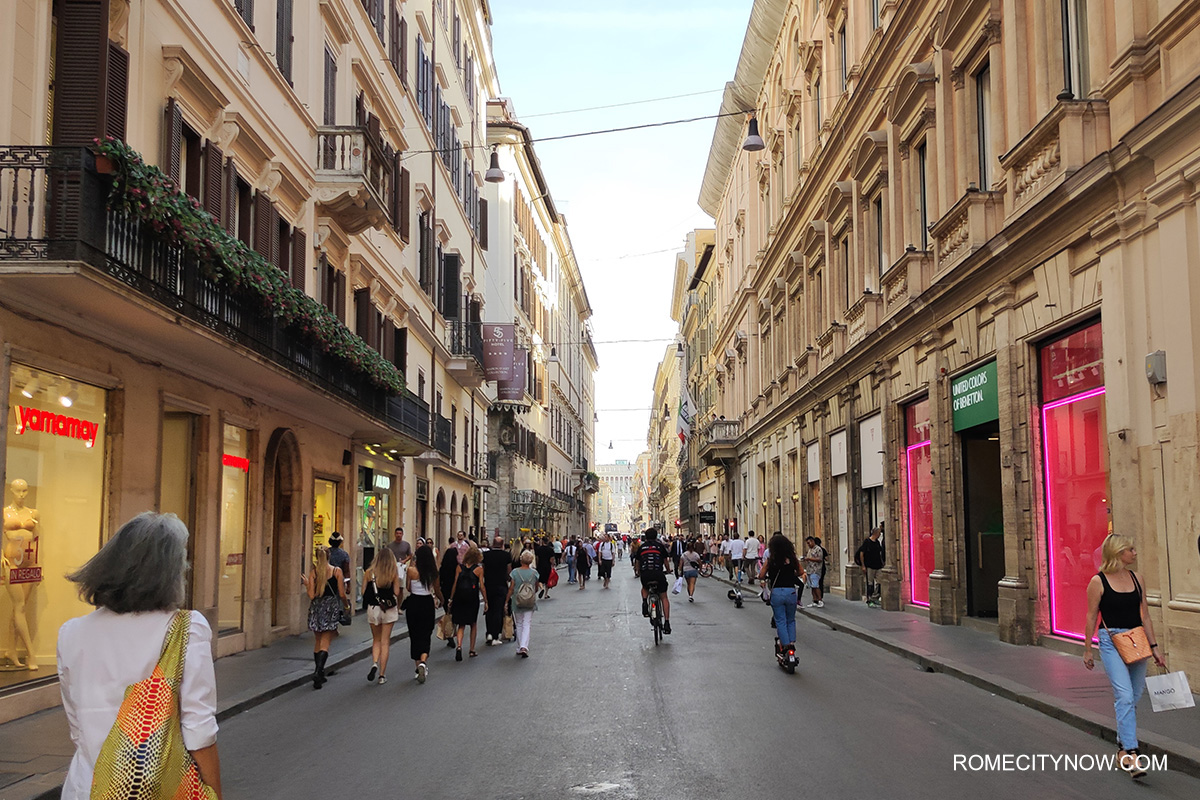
x: 782, y: 570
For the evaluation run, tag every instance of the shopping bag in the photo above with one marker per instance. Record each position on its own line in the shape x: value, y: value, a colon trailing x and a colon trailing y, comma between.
x: 678, y: 587
x: 552, y: 581
x: 507, y: 632
x: 1170, y: 691
x: 445, y: 627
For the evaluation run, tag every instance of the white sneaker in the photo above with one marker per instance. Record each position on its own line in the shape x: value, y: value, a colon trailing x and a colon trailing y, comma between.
x: 422, y: 673
x: 489, y: 640
x: 819, y: 604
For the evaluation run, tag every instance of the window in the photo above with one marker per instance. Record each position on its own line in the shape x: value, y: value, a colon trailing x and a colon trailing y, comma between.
x: 245, y: 9
x: 983, y: 118
x: 881, y: 258
x: 817, y: 99
x: 876, y: 19
x: 1075, y: 45
x: 235, y: 487
x: 923, y: 193
x: 190, y: 168
x: 284, y: 38
x: 846, y: 270
x: 845, y: 61
x: 330, y: 117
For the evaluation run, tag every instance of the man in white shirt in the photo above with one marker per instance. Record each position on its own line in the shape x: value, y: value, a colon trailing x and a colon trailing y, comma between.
x: 608, y: 554
x: 726, y: 559
x: 750, y: 559
x: 737, y: 550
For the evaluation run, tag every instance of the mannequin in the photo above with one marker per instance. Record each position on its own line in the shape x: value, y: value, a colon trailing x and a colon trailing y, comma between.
x: 20, y: 551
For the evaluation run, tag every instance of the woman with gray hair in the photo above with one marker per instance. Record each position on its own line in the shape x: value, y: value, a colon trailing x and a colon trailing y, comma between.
x: 522, y: 595
x: 138, y: 635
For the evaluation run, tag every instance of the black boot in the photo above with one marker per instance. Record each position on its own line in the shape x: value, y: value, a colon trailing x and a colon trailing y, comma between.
x: 319, y: 674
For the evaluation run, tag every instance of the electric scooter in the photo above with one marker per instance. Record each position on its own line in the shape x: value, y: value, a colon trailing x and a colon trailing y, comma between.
x: 735, y: 594
x: 786, y: 656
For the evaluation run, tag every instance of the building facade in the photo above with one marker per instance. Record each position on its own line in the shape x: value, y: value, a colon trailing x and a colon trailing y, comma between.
x: 541, y: 429
x: 310, y: 370
x: 615, y: 499
x: 936, y: 286
x: 663, y: 445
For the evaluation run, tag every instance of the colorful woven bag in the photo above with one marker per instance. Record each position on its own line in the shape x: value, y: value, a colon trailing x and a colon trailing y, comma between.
x: 144, y: 757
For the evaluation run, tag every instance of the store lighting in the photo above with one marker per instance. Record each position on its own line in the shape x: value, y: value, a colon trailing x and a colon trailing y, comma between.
x: 31, y: 388
x: 70, y: 397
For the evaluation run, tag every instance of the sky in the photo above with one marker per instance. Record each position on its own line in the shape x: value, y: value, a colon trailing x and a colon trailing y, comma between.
x: 629, y: 198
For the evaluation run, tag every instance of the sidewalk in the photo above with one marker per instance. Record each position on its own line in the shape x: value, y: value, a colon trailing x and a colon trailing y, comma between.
x: 36, y: 750
x: 1054, y: 683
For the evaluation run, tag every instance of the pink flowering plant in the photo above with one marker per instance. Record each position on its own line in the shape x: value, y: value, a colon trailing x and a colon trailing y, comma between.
x: 144, y: 192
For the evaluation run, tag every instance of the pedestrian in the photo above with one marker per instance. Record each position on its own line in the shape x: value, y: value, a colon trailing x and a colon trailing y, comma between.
x: 381, y: 595
x: 869, y: 558
x: 583, y: 565
x: 1115, y: 596
x: 341, y: 559
x: 515, y: 548
x: 750, y: 555
x: 137, y: 582
x: 690, y: 564
x: 464, y: 603
x: 608, y: 554
x: 714, y: 549
x: 634, y: 546
x: 543, y: 554
x: 326, y: 594
x: 569, y: 555
x: 446, y: 574
x: 737, y: 549
x: 557, y: 544
x: 497, y: 565
x: 522, y: 601
x: 401, y: 549
x: 677, y: 550
x: 824, y: 565
x: 424, y: 597
x: 782, y: 573
x: 462, y: 546
x: 723, y: 554
x: 813, y: 560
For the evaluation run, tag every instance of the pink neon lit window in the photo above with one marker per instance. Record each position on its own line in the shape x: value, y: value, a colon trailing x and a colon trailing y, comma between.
x: 1073, y: 364
x: 920, y: 500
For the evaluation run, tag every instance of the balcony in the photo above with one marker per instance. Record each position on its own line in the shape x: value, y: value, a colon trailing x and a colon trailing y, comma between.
x: 689, y: 478
x: 464, y: 340
x: 67, y: 259
x: 718, y: 441
x: 443, y: 436
x: 354, y: 178
x: 485, y: 470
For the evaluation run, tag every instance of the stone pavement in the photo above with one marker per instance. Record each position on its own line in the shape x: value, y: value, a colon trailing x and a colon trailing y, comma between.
x: 36, y: 750
x: 1042, y: 678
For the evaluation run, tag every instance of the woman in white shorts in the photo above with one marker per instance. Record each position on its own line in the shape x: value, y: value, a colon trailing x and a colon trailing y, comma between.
x: 382, y: 594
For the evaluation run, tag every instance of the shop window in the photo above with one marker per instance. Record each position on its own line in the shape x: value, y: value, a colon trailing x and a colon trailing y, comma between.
x: 55, y: 468
x: 235, y: 485
x: 1076, y: 472
x: 918, y: 463
x: 177, y: 475
x: 324, y: 511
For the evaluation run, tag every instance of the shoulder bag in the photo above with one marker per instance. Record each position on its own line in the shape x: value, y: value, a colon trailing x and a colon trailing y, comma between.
x: 144, y: 757
x: 1132, y: 645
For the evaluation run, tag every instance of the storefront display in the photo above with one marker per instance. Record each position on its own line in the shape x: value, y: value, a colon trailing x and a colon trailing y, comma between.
x: 1076, y: 471
x: 52, y: 513
x: 324, y: 511
x: 235, y: 485
x: 920, y: 499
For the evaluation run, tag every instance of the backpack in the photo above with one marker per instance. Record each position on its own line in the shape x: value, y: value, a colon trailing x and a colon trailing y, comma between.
x: 468, y: 582
x: 526, y: 595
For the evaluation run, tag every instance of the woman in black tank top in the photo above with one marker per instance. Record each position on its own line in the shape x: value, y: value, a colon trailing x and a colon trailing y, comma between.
x: 1116, y: 598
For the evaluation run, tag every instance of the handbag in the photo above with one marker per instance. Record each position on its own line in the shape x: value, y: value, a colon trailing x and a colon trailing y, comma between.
x: 552, y: 581
x: 144, y: 757
x: 371, y: 594
x: 1169, y: 691
x: 1132, y: 645
x: 507, y: 631
x: 345, y: 618
x: 445, y: 627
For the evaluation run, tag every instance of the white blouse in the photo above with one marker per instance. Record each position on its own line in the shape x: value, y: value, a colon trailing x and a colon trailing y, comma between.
x: 102, y: 654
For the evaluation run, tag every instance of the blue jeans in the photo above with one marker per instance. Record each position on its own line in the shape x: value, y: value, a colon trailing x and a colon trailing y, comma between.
x: 783, y: 605
x: 1128, y: 682
x: 570, y: 570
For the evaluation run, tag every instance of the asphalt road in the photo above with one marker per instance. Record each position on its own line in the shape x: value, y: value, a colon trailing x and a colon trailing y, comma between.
x: 599, y: 711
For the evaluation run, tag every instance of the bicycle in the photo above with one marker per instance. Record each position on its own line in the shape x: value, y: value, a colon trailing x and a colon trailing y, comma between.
x: 706, y: 569
x: 656, y: 617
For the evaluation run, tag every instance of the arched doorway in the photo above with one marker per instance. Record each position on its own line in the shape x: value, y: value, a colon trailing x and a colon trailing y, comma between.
x: 282, y: 494
x: 464, y: 515
x: 455, y: 521
x: 441, y: 520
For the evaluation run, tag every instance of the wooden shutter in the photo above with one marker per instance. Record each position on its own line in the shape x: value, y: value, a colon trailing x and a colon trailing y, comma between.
x: 117, y: 98
x: 172, y: 139
x: 483, y: 223
x: 264, y: 232
x: 405, y: 208
x: 395, y: 198
x: 404, y: 52
x: 214, y: 195
x: 451, y: 266
x: 362, y: 313
x: 360, y: 109
x: 400, y: 349
x: 284, y: 38
x: 387, y: 340
x: 231, y: 193
x: 299, y: 258
x: 330, y: 116
x: 394, y: 41
x: 246, y: 9
x: 339, y: 295
x: 80, y: 72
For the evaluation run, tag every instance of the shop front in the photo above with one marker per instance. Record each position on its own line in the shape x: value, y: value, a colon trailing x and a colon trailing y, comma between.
x: 235, y: 489
x: 374, y: 511
x: 918, y: 478
x: 54, y: 494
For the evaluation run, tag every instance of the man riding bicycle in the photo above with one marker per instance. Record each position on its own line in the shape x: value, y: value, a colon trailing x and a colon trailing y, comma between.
x: 651, y: 561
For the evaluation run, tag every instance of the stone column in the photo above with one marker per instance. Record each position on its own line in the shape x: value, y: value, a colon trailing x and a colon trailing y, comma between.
x: 943, y: 605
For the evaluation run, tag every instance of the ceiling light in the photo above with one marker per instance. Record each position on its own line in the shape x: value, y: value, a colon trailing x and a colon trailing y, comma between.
x: 32, y: 387
x: 70, y: 397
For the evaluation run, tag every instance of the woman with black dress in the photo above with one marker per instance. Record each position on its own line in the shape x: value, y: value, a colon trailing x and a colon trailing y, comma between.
x: 464, y: 604
x: 327, y: 592
x: 424, y: 596
x: 446, y: 575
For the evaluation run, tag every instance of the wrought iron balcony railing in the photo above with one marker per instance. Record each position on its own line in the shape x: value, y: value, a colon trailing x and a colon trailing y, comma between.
x: 443, y: 436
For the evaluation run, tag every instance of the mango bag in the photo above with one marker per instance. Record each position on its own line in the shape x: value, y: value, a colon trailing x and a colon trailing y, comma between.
x: 144, y: 757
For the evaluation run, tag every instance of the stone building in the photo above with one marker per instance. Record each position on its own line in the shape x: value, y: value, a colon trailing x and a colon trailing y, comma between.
x: 616, y: 490
x: 954, y: 298
x: 316, y: 370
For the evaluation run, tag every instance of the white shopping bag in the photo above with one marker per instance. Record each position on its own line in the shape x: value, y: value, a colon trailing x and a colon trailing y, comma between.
x: 678, y: 587
x: 1170, y: 691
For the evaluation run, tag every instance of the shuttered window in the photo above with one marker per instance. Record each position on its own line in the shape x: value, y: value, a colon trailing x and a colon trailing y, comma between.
x: 117, y: 99
x: 80, y: 71
x: 483, y: 223
x: 400, y: 349
x: 245, y: 9
x: 213, y: 188
x: 403, y: 29
x: 394, y: 39
x: 299, y: 259
x: 405, y: 208
x: 266, y: 224
x: 172, y: 139
x: 330, y: 116
x: 284, y: 38
x: 451, y: 285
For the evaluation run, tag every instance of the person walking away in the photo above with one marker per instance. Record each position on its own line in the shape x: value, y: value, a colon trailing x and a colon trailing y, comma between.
x: 653, y: 558
x: 869, y: 558
x: 737, y: 548
x: 446, y: 575
x: 424, y: 597
x: 723, y: 555
x: 813, y: 559
x: 497, y: 564
x: 750, y: 555
x: 583, y: 565
x: 782, y: 571
x: 326, y: 594
x: 690, y: 564
x: 543, y: 553
x: 382, y: 594
x: 137, y: 582
x: 464, y: 603
x: 1115, y: 597
x: 608, y: 554
x: 401, y: 549
x: 557, y: 544
x: 569, y: 555
x: 522, y: 601
x: 339, y: 558
x: 634, y: 545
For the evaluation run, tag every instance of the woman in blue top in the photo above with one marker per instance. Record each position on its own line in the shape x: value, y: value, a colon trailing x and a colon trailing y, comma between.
x: 523, y: 603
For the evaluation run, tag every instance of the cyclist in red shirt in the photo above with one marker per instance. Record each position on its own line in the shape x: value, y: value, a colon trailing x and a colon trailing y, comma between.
x: 652, y: 559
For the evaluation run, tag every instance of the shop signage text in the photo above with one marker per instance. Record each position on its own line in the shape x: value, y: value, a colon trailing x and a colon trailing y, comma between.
x: 236, y: 461
x: 25, y: 575
x: 33, y: 419
x: 975, y: 397
x: 235, y: 559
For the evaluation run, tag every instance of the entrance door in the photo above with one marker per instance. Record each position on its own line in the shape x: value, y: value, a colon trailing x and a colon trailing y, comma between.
x: 984, y: 518
x: 281, y: 526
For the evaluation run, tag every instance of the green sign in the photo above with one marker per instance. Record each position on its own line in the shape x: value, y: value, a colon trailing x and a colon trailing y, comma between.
x: 975, y: 397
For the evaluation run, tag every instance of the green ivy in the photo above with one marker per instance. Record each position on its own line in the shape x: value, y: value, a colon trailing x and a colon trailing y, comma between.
x: 142, y: 191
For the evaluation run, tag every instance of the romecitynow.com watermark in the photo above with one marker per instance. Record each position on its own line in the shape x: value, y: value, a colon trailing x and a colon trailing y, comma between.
x: 1057, y: 762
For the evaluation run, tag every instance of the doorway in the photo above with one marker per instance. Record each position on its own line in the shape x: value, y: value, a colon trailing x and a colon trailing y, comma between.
x: 983, y: 517
x: 283, y: 458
